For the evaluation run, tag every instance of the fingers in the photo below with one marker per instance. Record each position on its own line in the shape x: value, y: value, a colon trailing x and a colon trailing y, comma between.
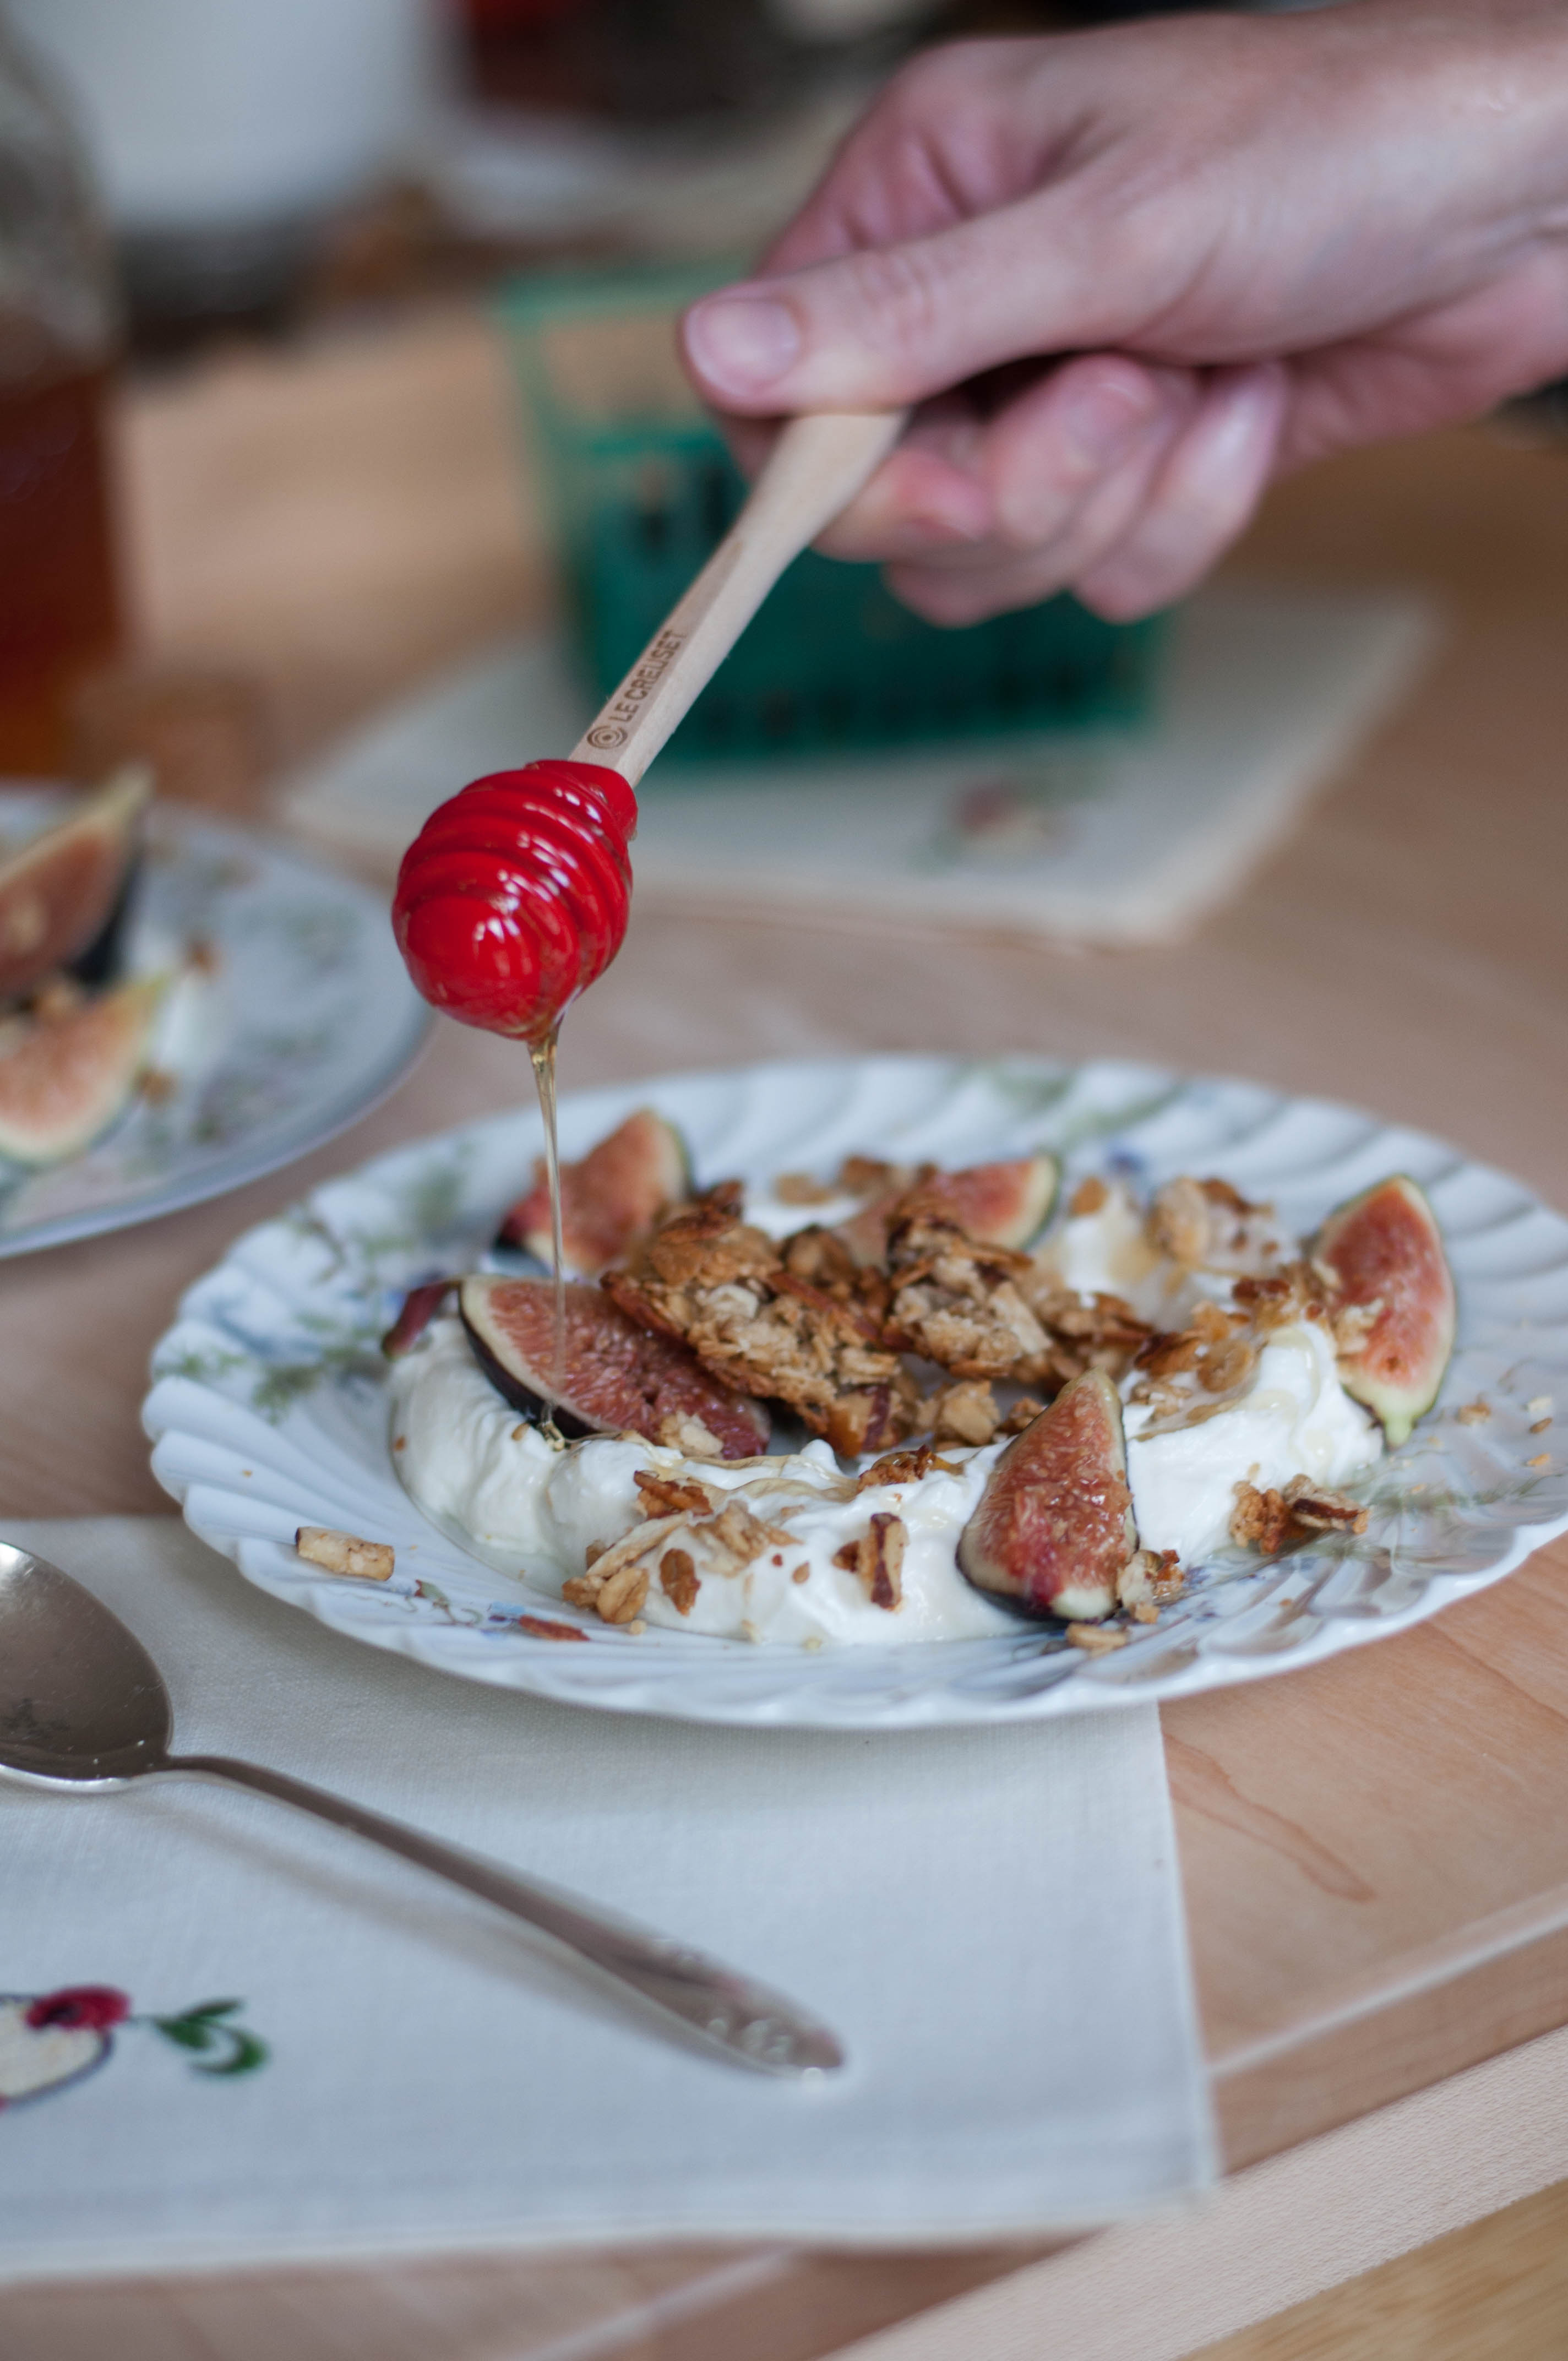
x: 1139, y: 532
x: 888, y: 326
x: 961, y: 491
x: 1206, y: 492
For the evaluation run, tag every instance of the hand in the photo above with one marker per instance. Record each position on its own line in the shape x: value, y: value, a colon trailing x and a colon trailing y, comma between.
x: 1130, y: 275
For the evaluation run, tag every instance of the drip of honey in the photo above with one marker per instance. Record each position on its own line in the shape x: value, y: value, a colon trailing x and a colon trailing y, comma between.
x: 511, y: 901
x: 543, y: 1055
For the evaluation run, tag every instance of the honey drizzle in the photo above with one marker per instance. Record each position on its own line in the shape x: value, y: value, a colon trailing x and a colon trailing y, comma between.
x: 542, y: 1053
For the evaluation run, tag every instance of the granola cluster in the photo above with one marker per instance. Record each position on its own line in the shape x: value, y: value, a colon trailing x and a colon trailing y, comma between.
x: 1266, y: 1521
x: 752, y: 1315
x: 823, y: 1321
x: 691, y: 1532
x: 847, y: 1326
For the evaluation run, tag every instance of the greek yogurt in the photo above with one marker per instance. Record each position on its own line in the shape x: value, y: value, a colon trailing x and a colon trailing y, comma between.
x: 539, y: 1513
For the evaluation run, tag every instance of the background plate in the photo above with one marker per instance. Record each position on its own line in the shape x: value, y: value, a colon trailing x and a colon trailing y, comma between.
x: 269, y: 1408
x: 307, y: 1019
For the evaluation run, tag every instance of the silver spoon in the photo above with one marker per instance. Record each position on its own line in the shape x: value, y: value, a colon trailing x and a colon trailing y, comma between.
x: 83, y: 1706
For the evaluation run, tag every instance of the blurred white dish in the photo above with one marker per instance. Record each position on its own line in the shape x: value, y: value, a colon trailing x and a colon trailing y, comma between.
x: 305, y: 1018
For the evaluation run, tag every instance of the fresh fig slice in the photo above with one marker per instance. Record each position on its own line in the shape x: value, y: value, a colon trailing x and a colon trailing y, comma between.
x: 57, y: 892
x: 1384, y: 1247
x: 619, y: 1379
x: 63, y: 1079
x: 1006, y: 1204
x: 1054, y: 1528
x: 610, y: 1201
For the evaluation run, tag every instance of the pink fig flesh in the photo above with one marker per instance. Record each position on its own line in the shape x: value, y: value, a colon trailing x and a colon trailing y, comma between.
x: 1054, y: 1526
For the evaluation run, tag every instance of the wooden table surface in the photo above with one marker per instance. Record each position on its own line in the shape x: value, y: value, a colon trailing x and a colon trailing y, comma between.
x: 1375, y: 1851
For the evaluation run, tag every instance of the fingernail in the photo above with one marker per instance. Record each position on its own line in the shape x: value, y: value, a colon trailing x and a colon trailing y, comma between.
x: 740, y: 344
x: 1244, y: 420
x: 1105, y: 419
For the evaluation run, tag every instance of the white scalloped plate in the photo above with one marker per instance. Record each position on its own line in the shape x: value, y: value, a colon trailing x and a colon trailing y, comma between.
x: 268, y: 1408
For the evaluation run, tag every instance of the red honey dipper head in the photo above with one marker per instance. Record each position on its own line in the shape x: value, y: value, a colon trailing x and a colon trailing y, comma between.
x: 513, y: 897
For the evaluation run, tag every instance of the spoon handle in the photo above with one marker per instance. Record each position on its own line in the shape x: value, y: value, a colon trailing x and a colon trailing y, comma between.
x: 748, y: 2024
x: 818, y: 463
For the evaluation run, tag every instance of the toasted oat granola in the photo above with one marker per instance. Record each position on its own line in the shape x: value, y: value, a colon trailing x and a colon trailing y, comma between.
x: 680, y: 1547
x: 1269, y: 1520
x: 732, y: 1293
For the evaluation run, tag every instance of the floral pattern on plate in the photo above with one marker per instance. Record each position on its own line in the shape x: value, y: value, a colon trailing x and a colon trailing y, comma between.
x: 268, y: 1407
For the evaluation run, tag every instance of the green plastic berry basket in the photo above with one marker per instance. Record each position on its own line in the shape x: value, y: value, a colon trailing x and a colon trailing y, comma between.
x: 638, y: 487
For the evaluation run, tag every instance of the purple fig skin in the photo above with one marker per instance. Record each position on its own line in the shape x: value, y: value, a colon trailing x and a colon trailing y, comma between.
x: 57, y: 892
x: 619, y: 1379
x: 1385, y: 1247
x: 421, y: 1305
x: 1054, y: 1526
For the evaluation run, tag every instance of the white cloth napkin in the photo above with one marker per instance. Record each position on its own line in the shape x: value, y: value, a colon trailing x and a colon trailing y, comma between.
x: 992, y: 1920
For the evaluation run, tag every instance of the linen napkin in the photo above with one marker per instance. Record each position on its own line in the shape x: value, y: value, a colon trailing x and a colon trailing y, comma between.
x: 261, y: 2037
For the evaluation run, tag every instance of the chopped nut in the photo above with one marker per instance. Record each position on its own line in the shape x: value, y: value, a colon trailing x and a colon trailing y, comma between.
x: 881, y: 1566
x: 677, y: 1580
x: 744, y: 1537
x: 1024, y: 1412
x: 802, y: 1572
x: 540, y: 1627
x: 1267, y: 1519
x: 859, y: 1175
x: 848, y: 1558
x: 689, y: 1436
x: 1144, y: 1610
x: 671, y: 1496
x: 1135, y: 1583
x: 1473, y: 1414
x: 581, y: 1590
x: 1320, y: 1510
x: 1259, y: 1519
x: 800, y: 1189
x: 1088, y: 1196
x: 623, y: 1595
x: 964, y: 1412
x: 1540, y: 1426
x: 1540, y: 1406
x: 1096, y: 1639
x: 1178, y: 1223
x: 344, y: 1552
x: 1541, y: 1459
x: 903, y: 1468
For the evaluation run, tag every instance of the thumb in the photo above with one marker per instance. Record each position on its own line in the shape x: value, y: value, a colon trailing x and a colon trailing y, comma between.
x: 886, y: 326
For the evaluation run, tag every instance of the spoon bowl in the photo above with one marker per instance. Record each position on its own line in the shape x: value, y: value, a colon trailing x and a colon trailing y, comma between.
x: 83, y: 1706
x: 81, y: 1703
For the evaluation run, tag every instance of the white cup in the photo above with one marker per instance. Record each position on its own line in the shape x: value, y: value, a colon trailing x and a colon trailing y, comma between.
x: 203, y: 114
